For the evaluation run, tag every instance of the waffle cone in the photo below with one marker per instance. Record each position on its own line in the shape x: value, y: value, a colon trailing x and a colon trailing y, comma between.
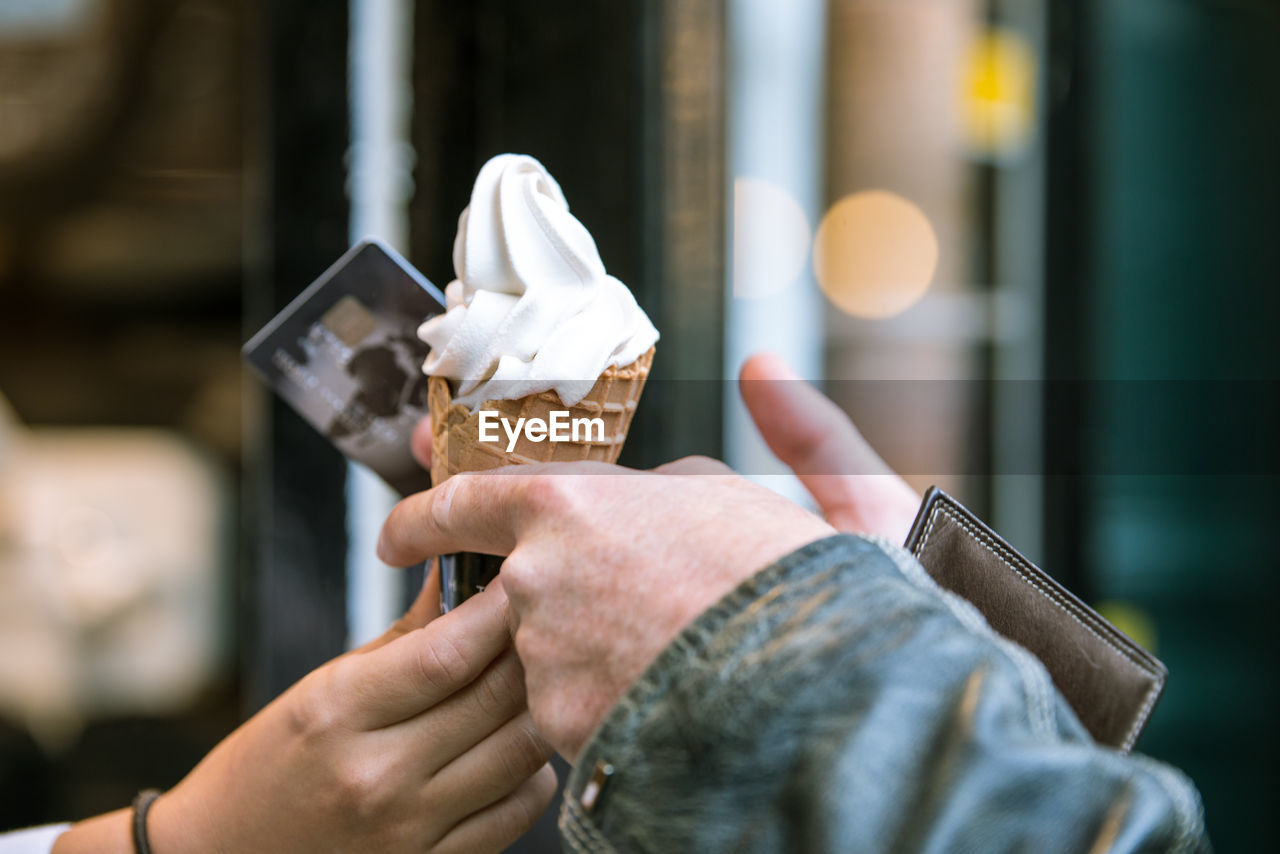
x: 456, y: 444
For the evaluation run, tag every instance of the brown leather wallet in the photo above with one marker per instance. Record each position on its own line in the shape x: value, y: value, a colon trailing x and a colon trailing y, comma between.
x: 1110, y: 681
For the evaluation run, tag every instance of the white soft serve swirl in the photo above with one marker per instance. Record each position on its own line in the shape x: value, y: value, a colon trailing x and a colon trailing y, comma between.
x: 532, y: 308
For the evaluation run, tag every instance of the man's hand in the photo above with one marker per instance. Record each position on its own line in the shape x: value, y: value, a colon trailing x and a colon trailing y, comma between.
x: 418, y: 741
x: 605, y: 565
x: 856, y: 490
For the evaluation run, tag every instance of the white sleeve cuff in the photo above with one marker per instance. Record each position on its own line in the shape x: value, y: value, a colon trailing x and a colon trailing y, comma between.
x: 36, y: 840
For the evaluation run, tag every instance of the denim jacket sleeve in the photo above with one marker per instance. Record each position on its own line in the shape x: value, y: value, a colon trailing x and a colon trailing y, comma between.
x: 839, y: 701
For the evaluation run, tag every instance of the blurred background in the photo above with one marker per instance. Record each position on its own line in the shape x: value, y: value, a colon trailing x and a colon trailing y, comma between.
x: 1027, y: 244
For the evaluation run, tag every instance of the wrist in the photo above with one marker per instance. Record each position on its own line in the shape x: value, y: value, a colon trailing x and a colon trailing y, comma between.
x: 172, y: 825
x: 103, y: 834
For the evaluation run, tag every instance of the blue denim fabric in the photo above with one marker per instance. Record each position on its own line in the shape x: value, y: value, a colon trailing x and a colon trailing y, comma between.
x: 839, y: 701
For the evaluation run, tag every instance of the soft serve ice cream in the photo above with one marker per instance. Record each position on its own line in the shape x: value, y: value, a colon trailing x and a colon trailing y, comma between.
x: 532, y: 308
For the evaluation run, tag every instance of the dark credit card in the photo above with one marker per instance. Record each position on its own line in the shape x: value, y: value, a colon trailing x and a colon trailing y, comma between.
x: 346, y: 355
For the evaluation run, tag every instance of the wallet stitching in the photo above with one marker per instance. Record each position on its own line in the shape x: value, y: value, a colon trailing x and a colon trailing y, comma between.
x: 1037, y: 698
x: 1143, y: 713
x: 1036, y: 684
x: 1067, y: 607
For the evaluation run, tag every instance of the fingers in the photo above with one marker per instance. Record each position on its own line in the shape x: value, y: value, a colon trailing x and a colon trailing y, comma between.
x: 468, y: 512
x: 498, y: 825
x: 856, y: 490
x: 496, y: 766
x: 421, y: 669
x: 483, y: 511
x: 420, y: 442
x: 801, y: 425
x: 468, y: 718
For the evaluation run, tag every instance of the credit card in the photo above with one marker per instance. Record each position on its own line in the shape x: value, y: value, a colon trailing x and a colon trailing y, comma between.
x: 346, y: 355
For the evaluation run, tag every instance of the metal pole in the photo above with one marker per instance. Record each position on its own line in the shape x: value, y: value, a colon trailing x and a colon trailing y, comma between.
x: 379, y: 185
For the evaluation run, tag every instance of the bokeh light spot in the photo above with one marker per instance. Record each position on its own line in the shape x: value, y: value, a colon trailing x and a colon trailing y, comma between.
x: 875, y: 254
x: 1132, y: 620
x: 770, y: 238
x: 998, y: 102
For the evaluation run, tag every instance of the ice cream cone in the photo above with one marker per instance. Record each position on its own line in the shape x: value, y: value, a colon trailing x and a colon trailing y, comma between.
x: 456, y: 444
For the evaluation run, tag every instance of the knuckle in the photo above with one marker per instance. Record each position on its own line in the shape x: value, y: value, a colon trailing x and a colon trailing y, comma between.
x: 524, y: 808
x: 518, y: 573
x: 442, y: 666
x: 701, y: 464
x: 804, y: 445
x: 698, y: 460
x: 501, y: 688
x: 557, y: 495
x: 362, y: 788
x: 809, y: 437
x: 524, y: 814
x: 311, y: 712
x: 512, y: 820
x: 527, y: 752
